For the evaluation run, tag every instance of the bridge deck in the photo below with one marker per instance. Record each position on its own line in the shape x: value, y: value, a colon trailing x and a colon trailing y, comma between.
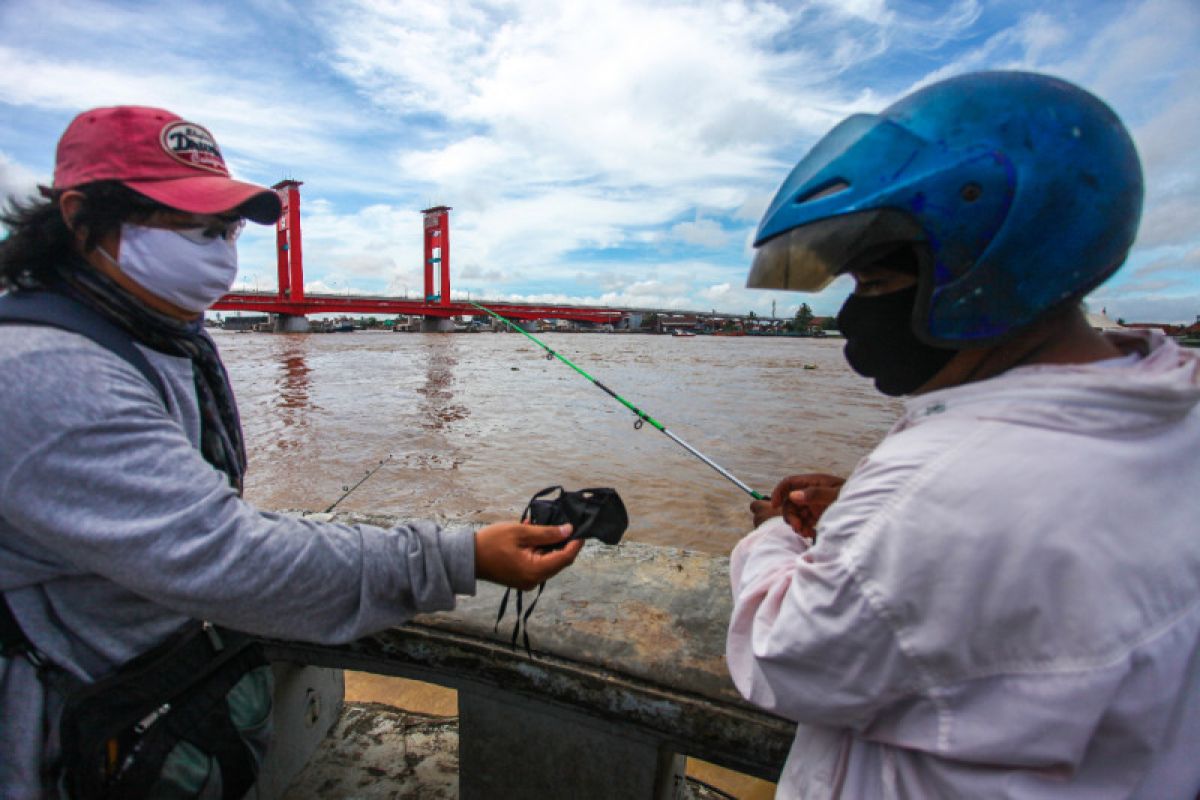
x: 261, y: 302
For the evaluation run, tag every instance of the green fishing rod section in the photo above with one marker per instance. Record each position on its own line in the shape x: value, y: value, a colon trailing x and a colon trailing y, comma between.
x: 642, y: 416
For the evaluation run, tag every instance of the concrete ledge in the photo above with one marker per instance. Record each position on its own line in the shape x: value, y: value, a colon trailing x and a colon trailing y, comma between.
x: 632, y: 637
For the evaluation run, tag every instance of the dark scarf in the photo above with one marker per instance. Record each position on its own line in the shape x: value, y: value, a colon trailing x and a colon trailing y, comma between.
x: 220, y: 426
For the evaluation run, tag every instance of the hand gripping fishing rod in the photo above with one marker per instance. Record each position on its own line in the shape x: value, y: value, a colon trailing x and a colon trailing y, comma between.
x: 642, y: 416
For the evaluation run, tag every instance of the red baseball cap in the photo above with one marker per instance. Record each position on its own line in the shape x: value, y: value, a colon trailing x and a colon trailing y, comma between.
x: 160, y: 155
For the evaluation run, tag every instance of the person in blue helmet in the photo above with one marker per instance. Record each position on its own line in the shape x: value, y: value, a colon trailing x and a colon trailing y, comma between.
x: 1003, y: 598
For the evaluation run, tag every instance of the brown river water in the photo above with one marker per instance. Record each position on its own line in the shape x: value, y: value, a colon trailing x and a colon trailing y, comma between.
x: 476, y: 423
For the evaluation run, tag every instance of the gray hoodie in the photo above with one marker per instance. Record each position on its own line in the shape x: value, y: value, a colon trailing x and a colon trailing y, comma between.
x: 114, y: 530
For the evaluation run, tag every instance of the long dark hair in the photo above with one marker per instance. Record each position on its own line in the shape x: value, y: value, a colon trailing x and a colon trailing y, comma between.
x: 40, y: 245
x: 41, y: 251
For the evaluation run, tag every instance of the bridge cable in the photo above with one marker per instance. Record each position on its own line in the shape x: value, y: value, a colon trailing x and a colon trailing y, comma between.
x: 642, y: 416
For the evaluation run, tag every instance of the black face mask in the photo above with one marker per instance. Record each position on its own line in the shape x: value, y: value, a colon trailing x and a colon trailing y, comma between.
x: 880, y: 343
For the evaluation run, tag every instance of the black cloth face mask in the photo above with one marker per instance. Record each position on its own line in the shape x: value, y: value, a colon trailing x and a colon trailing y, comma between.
x: 880, y: 342
x: 593, y: 513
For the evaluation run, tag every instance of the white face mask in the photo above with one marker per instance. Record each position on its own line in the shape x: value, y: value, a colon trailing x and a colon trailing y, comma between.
x: 183, y: 267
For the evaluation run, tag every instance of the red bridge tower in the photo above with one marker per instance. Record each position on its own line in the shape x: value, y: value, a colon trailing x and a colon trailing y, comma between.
x: 289, y: 306
x: 287, y: 242
x: 437, y: 252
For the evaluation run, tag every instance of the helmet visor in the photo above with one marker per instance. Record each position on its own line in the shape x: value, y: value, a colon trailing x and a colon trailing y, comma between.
x: 806, y: 258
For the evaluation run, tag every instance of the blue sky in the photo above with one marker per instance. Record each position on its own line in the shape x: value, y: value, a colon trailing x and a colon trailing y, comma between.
x: 616, y: 152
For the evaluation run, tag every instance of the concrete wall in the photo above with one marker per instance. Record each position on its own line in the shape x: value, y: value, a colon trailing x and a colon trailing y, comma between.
x: 627, y: 657
x: 286, y: 323
x: 436, y: 325
x: 243, y: 323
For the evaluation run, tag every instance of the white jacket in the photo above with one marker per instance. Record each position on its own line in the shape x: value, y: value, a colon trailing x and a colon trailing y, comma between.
x: 1003, y: 602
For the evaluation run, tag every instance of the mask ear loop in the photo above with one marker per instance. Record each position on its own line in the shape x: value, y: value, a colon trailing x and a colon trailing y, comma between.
x: 516, y: 624
x: 524, y: 621
x: 526, y: 515
x: 581, y: 529
x: 521, y: 624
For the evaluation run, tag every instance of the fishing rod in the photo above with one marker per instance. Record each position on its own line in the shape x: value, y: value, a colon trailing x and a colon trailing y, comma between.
x: 642, y: 416
x: 348, y: 490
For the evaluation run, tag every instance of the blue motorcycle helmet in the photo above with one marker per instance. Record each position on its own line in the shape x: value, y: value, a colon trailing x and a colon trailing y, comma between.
x: 1019, y: 192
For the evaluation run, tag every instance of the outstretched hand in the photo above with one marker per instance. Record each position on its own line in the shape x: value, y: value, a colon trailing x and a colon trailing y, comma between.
x: 801, y: 499
x: 515, y: 555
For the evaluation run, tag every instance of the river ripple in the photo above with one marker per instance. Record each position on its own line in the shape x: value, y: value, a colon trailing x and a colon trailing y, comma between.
x: 476, y: 423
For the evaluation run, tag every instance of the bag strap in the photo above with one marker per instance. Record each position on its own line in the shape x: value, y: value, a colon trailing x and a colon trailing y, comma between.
x: 59, y: 311
x: 13, y: 640
x: 55, y: 310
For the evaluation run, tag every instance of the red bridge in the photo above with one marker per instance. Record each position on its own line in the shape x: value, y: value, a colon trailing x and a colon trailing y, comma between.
x: 290, y: 299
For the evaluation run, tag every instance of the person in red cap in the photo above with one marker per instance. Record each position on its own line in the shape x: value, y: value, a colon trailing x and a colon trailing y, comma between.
x: 121, y: 465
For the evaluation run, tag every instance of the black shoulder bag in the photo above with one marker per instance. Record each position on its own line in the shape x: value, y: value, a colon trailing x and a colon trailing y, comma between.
x: 118, y: 732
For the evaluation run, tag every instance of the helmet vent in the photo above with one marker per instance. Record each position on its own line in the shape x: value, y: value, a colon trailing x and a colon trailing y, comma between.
x: 836, y: 186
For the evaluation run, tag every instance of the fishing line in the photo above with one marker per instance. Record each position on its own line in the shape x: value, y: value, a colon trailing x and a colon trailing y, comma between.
x: 642, y: 416
x: 348, y: 490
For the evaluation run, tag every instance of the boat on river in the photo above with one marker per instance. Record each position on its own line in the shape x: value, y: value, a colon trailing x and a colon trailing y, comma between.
x: 682, y: 334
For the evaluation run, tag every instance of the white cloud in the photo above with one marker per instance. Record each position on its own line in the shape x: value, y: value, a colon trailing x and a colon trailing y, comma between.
x: 1170, y: 309
x: 873, y: 11
x: 1180, y: 260
x: 1171, y: 219
x: 1143, y: 62
x: 476, y: 272
x: 571, y: 129
x: 613, y: 91
x: 702, y: 232
x: 335, y: 287
x: 717, y: 293
x: 581, y: 145
x: 207, y: 61
x: 1144, y: 65
x: 17, y: 181
x: 1041, y: 36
